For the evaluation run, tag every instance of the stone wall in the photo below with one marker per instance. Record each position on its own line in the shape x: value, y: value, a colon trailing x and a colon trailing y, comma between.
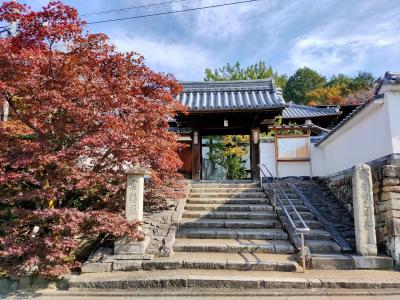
x: 386, y: 188
x: 387, y: 207
x: 341, y: 186
x: 160, y: 224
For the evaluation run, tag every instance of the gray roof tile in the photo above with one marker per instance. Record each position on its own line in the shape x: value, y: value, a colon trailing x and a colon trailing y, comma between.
x: 230, y: 95
x: 294, y: 111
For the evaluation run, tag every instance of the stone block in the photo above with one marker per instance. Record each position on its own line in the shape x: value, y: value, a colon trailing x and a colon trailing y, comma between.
x: 96, y: 267
x: 24, y: 282
x: 39, y: 283
x: 393, y: 204
x: 391, y: 181
x: 392, y: 227
x: 391, y: 171
x: 393, y: 247
x: 391, y: 188
x: 127, y: 265
x: 63, y: 283
x: 5, y: 284
x: 389, y: 195
x: 127, y: 246
x: 363, y: 205
x: 373, y: 262
x: 332, y: 262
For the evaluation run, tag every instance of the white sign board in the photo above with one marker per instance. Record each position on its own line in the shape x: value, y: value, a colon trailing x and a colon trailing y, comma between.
x: 293, y: 148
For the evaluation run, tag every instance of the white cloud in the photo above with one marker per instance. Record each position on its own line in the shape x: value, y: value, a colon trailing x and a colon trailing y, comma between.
x: 182, y: 60
x: 343, y: 46
x: 219, y: 23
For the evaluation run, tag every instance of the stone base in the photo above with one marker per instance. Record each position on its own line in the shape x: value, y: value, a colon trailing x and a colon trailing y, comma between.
x: 332, y: 262
x: 373, y: 262
x: 96, y: 267
x: 126, y: 246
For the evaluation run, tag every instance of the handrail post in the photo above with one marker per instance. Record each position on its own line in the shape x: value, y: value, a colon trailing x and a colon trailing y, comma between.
x: 303, y: 255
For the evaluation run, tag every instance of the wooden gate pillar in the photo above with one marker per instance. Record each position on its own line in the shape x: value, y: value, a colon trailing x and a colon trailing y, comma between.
x: 196, y: 164
x: 255, y: 153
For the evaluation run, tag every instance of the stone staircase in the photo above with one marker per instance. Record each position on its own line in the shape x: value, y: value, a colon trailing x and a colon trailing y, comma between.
x: 319, y: 240
x: 326, y: 244
x: 233, y: 227
x: 228, y: 228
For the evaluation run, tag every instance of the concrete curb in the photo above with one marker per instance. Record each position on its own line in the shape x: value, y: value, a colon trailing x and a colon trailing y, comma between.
x: 190, y: 292
x: 195, y: 281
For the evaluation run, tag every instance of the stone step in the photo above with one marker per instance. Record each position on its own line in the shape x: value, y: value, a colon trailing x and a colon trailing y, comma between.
x: 323, y: 246
x: 233, y: 246
x: 221, y: 284
x: 318, y: 234
x: 312, y: 224
x: 288, y: 195
x: 230, y: 201
x: 228, y: 207
x: 299, y: 208
x: 232, y: 233
x: 226, y: 190
x: 293, y: 201
x: 223, y: 261
x: 248, y: 215
x: 228, y: 223
x: 227, y: 195
x: 332, y: 261
x: 306, y: 215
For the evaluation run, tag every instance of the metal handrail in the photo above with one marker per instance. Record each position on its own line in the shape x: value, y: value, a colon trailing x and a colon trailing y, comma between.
x: 298, y: 230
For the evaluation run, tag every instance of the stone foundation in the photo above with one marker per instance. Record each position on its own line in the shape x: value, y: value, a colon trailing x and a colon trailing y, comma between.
x: 386, y: 191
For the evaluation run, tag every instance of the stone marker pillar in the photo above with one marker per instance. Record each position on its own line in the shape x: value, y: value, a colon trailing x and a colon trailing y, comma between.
x: 133, y: 211
x: 364, y: 215
x: 134, y: 196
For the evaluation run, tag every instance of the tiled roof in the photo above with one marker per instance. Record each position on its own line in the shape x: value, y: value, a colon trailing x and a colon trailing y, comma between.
x: 391, y: 77
x: 294, y: 111
x: 230, y: 95
x: 348, y: 118
x: 388, y: 78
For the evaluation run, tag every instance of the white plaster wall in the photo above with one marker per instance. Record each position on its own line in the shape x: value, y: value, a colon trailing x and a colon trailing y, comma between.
x: 364, y: 138
x: 393, y: 99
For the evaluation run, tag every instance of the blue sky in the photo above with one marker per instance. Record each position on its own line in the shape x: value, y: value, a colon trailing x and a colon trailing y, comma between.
x: 330, y: 36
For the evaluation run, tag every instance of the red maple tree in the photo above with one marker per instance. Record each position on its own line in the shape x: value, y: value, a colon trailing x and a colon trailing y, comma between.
x: 80, y: 111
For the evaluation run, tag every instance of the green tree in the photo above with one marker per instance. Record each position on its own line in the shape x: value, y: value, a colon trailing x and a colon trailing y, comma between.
x: 342, y: 82
x: 300, y: 83
x: 229, y: 151
x: 363, y: 81
x: 236, y: 72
